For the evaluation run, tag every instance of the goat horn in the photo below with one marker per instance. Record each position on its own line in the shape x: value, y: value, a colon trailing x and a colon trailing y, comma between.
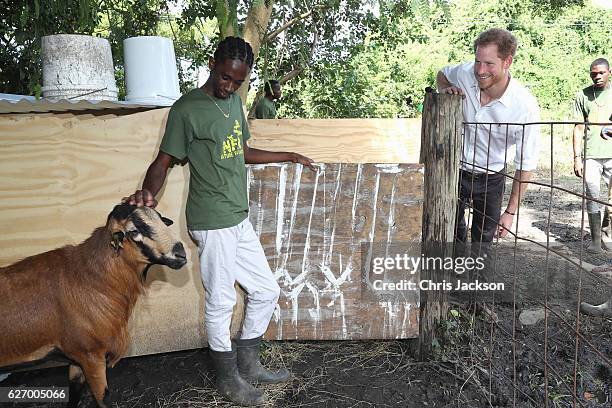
x: 117, y: 240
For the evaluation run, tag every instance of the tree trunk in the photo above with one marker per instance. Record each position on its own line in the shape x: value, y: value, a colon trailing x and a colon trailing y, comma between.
x: 255, y: 29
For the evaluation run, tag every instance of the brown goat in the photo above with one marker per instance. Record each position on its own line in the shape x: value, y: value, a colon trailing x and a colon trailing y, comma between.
x: 77, y: 300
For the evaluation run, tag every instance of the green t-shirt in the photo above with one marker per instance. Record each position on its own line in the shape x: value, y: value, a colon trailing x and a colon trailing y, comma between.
x: 595, y: 106
x: 213, y: 145
x: 265, y: 109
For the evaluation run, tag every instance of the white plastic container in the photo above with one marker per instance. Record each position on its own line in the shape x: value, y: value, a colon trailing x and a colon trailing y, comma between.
x: 150, y: 71
x: 77, y: 67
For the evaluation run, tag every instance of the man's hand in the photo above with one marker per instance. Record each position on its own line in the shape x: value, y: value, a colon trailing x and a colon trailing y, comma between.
x: 303, y: 160
x: 452, y: 90
x: 445, y: 87
x: 578, y: 166
x: 258, y: 156
x: 141, y: 198
x: 505, y: 223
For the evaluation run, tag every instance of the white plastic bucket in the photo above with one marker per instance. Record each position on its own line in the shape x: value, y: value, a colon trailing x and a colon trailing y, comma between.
x: 77, y: 67
x: 150, y: 71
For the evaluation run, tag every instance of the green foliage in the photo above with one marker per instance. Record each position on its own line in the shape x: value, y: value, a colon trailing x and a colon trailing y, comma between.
x: 349, y: 58
x: 227, y: 19
x: 23, y: 23
x: 383, y: 77
x: 195, y: 31
x: 411, y: 40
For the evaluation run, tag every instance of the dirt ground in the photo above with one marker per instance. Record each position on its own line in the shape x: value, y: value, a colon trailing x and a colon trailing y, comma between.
x: 479, y: 362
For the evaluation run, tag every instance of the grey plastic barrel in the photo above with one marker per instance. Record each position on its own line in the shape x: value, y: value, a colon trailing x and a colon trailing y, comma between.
x: 77, y: 67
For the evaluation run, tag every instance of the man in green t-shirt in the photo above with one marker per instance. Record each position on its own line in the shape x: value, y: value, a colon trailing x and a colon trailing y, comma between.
x: 594, y: 105
x: 265, y: 108
x: 207, y: 128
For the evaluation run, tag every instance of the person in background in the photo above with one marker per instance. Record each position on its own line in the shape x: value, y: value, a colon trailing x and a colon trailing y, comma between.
x: 594, y: 104
x: 492, y: 95
x: 207, y: 128
x: 265, y: 107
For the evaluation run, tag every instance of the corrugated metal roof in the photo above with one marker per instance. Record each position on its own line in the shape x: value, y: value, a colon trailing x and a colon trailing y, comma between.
x: 29, y: 104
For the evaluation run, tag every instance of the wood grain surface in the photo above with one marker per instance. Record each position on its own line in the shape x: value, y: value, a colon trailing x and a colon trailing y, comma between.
x: 61, y: 174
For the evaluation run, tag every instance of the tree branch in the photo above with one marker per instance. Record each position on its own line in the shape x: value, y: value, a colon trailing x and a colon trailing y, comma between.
x: 297, y: 70
x: 288, y: 76
x: 292, y: 22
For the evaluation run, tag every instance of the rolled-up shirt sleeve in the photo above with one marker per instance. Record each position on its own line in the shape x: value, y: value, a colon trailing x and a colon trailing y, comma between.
x: 527, y: 139
x: 451, y: 72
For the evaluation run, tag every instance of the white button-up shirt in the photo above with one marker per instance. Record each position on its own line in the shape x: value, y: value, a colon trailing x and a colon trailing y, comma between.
x: 487, y: 147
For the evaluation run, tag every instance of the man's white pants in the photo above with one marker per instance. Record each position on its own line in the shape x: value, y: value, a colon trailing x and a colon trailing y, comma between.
x: 594, y: 170
x: 231, y: 255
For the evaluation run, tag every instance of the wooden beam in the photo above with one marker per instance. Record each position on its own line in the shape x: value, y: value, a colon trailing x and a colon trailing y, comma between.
x: 352, y: 140
x: 440, y: 153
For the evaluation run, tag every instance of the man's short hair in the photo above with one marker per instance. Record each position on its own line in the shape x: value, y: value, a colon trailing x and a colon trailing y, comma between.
x: 600, y: 61
x: 269, y: 85
x: 505, y: 41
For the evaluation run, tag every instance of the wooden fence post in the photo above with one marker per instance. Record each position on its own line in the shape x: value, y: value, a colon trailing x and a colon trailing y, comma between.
x: 440, y: 153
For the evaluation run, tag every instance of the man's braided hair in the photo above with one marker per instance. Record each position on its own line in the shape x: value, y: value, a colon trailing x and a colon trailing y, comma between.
x: 234, y: 48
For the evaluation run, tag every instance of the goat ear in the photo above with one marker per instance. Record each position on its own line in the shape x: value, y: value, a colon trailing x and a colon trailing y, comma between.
x: 121, y: 212
x: 117, y: 240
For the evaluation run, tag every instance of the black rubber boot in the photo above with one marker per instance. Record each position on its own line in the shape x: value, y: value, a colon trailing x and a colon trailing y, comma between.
x: 229, y: 382
x: 595, y: 226
x: 250, y: 367
x: 606, y: 231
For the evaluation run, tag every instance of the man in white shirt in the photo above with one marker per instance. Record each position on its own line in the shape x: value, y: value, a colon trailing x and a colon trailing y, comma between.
x: 498, y: 113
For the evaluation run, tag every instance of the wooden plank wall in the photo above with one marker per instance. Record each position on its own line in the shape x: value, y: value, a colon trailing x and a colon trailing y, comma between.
x: 317, y: 230
x: 61, y: 174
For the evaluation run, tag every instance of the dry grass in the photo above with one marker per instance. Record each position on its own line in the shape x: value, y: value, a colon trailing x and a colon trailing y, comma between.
x: 360, y: 357
x: 274, y: 356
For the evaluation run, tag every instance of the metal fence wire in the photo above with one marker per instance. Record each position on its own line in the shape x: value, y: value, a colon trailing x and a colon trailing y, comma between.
x: 532, y: 344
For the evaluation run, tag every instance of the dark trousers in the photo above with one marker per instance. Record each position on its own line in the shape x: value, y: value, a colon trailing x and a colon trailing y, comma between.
x: 485, y: 193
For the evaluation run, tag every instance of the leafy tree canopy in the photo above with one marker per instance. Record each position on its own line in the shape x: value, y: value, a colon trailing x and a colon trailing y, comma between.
x: 337, y: 58
x: 406, y: 46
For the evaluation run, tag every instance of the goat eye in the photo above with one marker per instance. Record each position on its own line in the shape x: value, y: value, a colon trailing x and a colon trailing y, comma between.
x: 135, y: 235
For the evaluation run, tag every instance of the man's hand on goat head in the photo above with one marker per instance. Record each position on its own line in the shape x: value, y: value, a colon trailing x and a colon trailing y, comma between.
x: 141, y: 198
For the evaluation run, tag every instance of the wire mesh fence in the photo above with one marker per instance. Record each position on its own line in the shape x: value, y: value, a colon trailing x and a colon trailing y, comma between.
x: 545, y: 339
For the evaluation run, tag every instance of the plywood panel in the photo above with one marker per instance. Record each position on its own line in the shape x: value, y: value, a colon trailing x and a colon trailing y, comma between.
x: 59, y: 178
x: 61, y: 174
x: 352, y: 140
